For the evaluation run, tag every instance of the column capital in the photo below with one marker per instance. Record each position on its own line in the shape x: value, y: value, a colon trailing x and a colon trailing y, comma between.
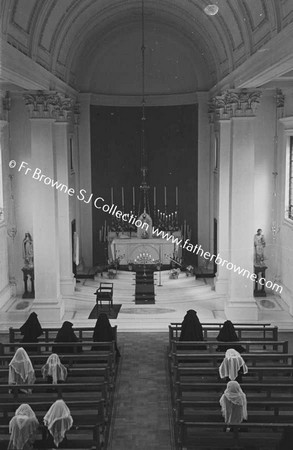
x: 49, y: 105
x: 234, y: 103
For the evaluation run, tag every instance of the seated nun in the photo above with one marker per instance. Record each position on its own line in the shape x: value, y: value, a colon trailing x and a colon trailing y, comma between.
x: 53, y: 371
x: 66, y: 334
x: 31, y: 330
x: 21, y: 370
x: 191, y: 328
x: 58, y: 420
x: 103, y: 332
x: 233, y: 404
x: 232, y: 366
x: 23, y: 428
x: 228, y: 334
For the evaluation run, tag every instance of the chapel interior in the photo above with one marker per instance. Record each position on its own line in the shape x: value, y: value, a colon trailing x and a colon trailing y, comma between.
x: 118, y: 118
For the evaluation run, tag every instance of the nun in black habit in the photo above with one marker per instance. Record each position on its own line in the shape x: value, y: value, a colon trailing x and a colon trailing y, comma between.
x: 66, y: 334
x: 228, y: 334
x: 103, y: 332
x: 31, y: 330
x: 191, y: 328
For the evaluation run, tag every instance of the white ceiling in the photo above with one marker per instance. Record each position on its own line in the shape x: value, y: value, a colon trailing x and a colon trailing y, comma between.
x: 94, y: 45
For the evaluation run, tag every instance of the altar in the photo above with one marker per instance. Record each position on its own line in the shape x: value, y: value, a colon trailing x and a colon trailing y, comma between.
x: 146, y: 251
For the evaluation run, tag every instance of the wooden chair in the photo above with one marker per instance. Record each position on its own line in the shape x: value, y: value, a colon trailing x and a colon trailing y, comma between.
x: 105, y: 294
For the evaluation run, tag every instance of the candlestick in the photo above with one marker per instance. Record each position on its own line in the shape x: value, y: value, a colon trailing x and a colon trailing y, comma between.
x: 112, y: 195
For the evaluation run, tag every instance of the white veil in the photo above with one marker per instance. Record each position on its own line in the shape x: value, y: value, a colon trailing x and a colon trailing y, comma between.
x: 231, y: 364
x: 58, y: 420
x: 54, y: 369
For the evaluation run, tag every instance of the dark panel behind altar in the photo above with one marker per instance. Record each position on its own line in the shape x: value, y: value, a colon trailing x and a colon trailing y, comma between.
x: 171, y: 139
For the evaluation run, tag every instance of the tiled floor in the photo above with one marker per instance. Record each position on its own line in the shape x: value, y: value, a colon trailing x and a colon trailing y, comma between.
x: 142, y: 406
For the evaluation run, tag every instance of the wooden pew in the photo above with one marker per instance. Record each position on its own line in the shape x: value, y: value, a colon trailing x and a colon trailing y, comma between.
x: 46, y: 392
x: 91, y: 411
x: 261, y: 410
x: 210, y: 391
x: 49, y: 335
x: 83, y: 361
x: 47, y: 347
x: 244, y: 331
x: 74, y: 375
x: 211, y: 346
x: 215, y: 359
x: 276, y: 374
x: 211, y: 435
x: 79, y: 437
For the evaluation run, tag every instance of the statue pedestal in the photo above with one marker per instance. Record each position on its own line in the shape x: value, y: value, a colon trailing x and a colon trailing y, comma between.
x: 259, y: 288
x: 28, y: 272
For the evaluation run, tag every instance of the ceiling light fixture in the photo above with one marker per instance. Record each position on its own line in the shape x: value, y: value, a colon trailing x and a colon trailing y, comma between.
x: 211, y: 10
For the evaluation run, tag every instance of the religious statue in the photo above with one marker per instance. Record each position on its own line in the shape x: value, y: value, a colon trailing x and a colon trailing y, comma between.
x: 259, y: 245
x: 259, y: 264
x: 28, y: 268
x: 28, y: 251
x: 144, y: 230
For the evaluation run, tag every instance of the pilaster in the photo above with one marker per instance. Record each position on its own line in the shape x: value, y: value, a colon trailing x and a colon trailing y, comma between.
x: 51, y: 235
x: 233, y: 111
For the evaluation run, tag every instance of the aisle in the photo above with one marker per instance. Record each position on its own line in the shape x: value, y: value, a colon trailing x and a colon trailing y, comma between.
x: 142, y: 410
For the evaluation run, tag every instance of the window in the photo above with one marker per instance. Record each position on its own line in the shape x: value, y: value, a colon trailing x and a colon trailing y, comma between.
x: 289, y: 184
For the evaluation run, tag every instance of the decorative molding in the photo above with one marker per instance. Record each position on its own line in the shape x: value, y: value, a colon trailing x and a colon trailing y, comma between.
x: 49, y: 105
x: 234, y: 103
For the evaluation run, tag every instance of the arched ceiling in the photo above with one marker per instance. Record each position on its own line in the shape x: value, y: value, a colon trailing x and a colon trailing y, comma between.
x: 94, y: 45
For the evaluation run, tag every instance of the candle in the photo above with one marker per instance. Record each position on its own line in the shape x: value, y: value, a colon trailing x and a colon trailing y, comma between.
x: 176, y: 196
x: 165, y: 192
x: 154, y: 196
x: 112, y: 196
x: 122, y: 195
x: 133, y: 197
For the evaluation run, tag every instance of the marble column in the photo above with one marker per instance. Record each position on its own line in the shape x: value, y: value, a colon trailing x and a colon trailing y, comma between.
x: 61, y: 141
x: 235, y: 110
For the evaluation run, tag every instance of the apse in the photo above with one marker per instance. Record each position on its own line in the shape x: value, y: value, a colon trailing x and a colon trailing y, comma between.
x: 171, y: 147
